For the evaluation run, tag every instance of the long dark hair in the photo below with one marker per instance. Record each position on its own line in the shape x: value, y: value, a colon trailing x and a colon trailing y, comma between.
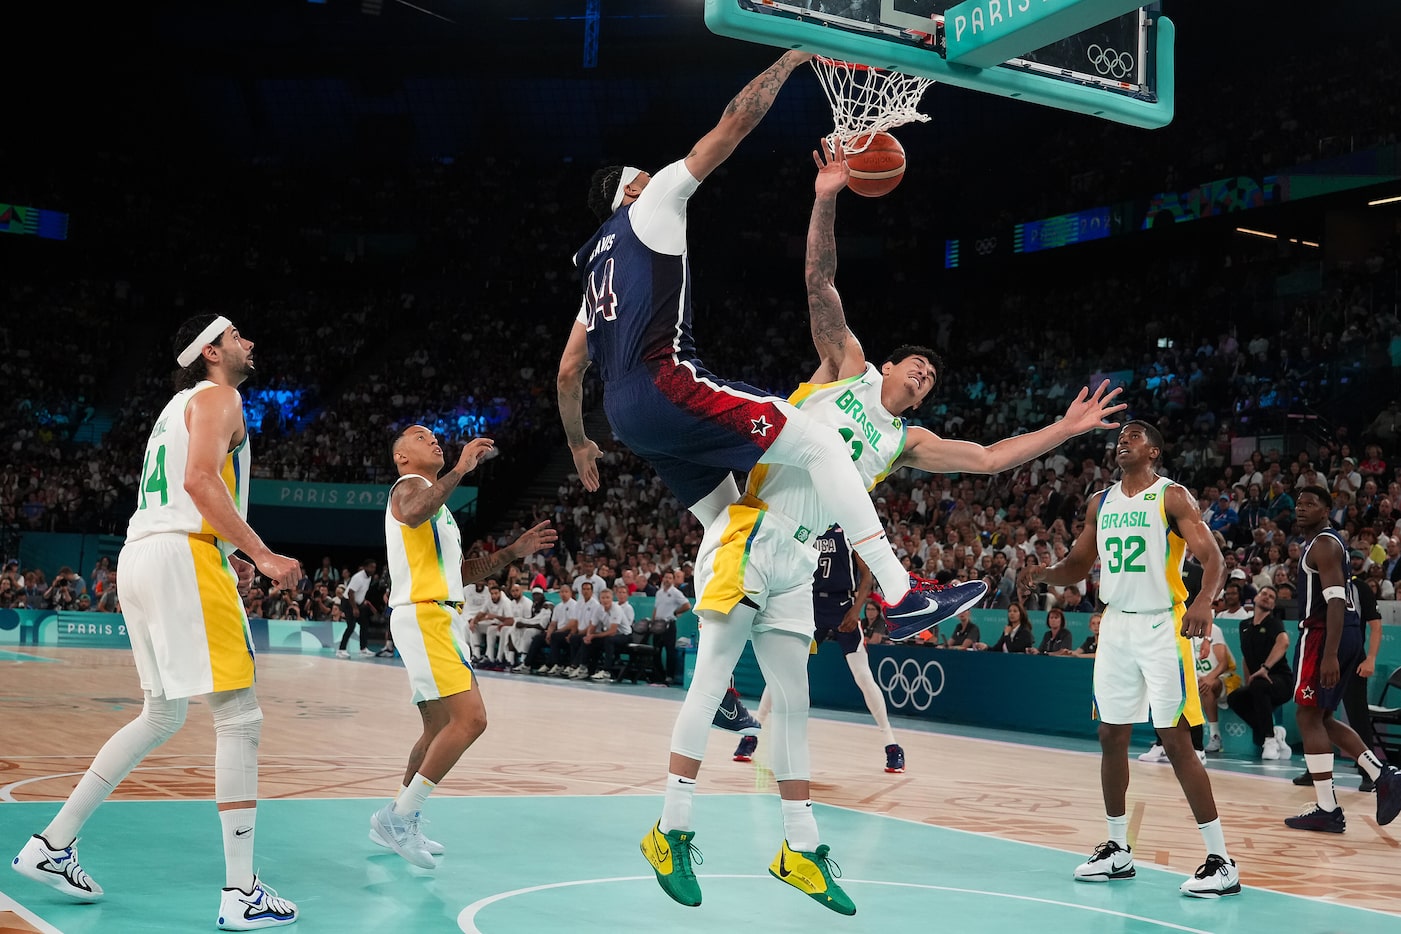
x: 190, y: 376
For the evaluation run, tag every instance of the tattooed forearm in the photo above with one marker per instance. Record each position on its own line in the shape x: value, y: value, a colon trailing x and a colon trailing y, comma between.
x: 751, y: 103
x: 826, y: 315
x: 475, y: 569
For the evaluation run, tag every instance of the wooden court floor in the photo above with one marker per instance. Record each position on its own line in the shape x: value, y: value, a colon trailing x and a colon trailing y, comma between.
x: 341, y: 729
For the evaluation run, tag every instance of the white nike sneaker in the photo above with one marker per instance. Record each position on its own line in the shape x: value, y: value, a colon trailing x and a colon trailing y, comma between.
x: 1155, y: 753
x: 433, y: 847
x: 252, y: 911
x: 402, y: 836
x: 1213, y: 744
x: 1201, y: 756
x: 1214, y: 878
x: 1271, y: 748
x: 58, y: 869
x: 1282, y: 744
x: 1109, y: 862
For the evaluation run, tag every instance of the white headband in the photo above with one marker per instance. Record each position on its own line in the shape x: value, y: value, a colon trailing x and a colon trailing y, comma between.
x: 191, y: 353
x: 629, y: 176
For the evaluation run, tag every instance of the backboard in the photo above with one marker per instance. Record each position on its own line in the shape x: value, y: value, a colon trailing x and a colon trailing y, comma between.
x: 1120, y: 70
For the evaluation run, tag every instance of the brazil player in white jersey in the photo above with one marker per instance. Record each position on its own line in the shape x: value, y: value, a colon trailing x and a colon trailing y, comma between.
x: 756, y: 562
x: 427, y: 573
x: 189, y: 635
x: 1140, y: 529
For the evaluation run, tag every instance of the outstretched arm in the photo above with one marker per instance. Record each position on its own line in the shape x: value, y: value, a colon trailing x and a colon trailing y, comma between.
x: 928, y: 451
x: 839, y: 352
x: 741, y: 115
x: 570, y: 384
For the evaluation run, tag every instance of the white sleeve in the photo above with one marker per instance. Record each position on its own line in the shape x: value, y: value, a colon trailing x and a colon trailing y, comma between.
x: 583, y: 316
x: 658, y: 216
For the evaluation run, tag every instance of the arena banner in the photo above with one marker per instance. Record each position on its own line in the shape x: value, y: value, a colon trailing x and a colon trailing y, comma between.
x: 297, y: 495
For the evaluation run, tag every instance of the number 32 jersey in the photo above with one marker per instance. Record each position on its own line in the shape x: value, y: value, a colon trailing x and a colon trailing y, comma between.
x: 162, y: 505
x: 1140, y: 553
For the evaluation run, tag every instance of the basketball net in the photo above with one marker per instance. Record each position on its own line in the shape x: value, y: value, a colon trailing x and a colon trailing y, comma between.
x: 866, y: 101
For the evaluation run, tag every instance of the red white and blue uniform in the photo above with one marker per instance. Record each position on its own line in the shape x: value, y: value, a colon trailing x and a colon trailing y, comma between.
x: 1313, y: 630
x: 833, y: 587
x: 691, y: 426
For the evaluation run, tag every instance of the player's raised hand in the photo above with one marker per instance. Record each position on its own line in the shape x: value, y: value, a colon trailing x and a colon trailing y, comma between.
x: 832, y: 170
x: 473, y: 452
x: 586, y: 455
x: 1089, y: 412
x: 535, y: 538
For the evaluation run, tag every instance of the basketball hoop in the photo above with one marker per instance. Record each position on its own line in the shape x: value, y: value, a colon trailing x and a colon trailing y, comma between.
x: 866, y: 101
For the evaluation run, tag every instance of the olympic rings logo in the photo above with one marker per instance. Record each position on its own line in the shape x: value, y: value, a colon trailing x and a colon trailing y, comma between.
x: 909, y: 683
x: 986, y: 245
x: 1110, y: 62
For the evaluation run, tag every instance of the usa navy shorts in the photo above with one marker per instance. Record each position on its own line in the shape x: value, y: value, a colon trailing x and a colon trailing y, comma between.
x: 1308, y: 657
x: 827, y: 614
x: 691, y: 426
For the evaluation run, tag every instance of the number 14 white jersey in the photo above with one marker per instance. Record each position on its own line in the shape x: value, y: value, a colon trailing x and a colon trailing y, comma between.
x: 1140, y: 554
x: 162, y: 505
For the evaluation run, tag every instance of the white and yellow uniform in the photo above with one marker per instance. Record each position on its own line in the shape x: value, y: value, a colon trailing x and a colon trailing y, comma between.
x: 1143, y: 662
x: 188, y: 631
x: 780, y: 515
x: 425, y: 570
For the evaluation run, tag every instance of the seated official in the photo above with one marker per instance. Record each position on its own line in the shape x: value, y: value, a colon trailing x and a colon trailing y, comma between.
x: 1056, y: 640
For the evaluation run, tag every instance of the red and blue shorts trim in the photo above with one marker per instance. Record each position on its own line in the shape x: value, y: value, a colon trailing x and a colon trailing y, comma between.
x: 693, y: 427
x: 1308, y: 659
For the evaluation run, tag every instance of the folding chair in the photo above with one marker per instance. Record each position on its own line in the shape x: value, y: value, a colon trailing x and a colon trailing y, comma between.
x: 1386, y: 721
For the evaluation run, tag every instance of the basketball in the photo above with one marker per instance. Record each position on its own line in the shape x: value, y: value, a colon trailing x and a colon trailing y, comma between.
x: 877, y: 170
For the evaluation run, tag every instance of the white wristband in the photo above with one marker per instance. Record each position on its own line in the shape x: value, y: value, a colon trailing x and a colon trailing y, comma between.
x: 1334, y: 593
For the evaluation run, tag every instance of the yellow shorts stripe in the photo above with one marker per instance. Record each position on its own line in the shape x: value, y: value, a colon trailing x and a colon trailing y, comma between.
x: 225, y: 625
x: 1191, y: 698
x: 437, y: 668
x: 725, y: 588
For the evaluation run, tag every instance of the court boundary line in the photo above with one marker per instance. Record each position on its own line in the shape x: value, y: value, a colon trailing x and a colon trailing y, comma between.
x: 8, y: 903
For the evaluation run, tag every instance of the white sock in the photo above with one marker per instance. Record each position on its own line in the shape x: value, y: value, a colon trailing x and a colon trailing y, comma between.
x: 238, y: 847
x: 874, y: 549
x: 1370, y: 764
x: 1322, y: 764
x: 410, y: 800
x: 1119, y: 829
x: 799, y: 826
x: 1215, y: 727
x: 676, y: 808
x: 92, y: 790
x: 1215, y: 838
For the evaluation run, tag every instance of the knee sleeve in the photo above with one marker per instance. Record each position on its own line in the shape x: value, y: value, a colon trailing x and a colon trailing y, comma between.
x: 709, y: 508
x: 158, y: 721
x: 238, y: 726
x: 783, y: 658
x: 716, y: 655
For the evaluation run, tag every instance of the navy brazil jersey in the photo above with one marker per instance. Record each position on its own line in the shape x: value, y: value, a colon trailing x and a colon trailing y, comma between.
x: 1313, y: 608
x: 836, y: 564
x: 637, y: 299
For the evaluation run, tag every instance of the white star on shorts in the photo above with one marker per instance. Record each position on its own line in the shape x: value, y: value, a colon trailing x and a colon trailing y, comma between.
x: 761, y: 426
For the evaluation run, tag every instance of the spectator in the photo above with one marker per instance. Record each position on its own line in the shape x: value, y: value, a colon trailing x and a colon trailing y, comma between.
x: 1057, y: 640
x: 1088, y: 648
x: 1016, y: 636
x: 965, y: 634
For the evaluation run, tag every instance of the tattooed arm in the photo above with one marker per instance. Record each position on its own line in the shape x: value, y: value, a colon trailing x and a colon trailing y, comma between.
x: 741, y: 115
x: 531, y: 541
x: 839, y: 352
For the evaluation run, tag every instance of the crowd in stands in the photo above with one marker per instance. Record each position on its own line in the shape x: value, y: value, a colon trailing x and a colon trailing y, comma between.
x: 415, y: 293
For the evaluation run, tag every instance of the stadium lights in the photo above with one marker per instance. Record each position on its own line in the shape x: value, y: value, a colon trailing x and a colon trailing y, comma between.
x: 1257, y: 233
x: 1372, y: 204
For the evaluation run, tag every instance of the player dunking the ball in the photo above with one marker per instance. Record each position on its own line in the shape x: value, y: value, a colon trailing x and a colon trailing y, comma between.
x: 693, y: 427
x: 189, y: 635
x: 1140, y: 529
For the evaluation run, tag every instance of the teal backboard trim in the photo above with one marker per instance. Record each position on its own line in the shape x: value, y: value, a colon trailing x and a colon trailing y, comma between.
x: 731, y: 18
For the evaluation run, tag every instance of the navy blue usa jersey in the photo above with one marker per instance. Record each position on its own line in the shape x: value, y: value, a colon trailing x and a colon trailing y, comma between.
x: 637, y: 301
x: 836, y: 565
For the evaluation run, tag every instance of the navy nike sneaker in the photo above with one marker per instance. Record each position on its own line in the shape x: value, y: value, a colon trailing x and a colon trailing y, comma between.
x: 732, y: 716
x: 928, y: 604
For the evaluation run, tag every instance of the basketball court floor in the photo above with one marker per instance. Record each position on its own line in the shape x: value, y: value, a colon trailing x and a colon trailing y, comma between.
x: 542, y: 817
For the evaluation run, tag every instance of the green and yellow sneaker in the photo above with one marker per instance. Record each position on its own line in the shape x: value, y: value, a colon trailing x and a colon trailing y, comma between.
x: 671, y: 854
x: 811, y: 873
